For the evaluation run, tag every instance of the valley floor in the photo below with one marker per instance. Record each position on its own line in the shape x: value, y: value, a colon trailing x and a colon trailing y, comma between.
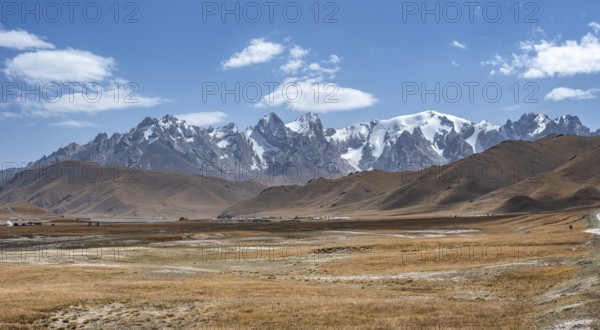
x: 512, y: 272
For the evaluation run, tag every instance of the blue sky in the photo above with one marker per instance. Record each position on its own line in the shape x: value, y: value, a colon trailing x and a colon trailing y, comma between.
x: 353, y: 61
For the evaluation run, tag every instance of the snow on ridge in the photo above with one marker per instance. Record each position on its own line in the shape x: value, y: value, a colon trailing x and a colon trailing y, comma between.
x: 220, y: 132
x: 353, y: 156
x: 351, y: 132
x: 542, y: 121
x: 377, y: 133
x: 430, y: 122
x: 223, y: 144
x: 259, y: 145
x: 295, y: 126
x: 302, y: 124
x: 148, y: 132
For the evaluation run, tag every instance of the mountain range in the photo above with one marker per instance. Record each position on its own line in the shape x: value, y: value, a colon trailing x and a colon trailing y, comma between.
x: 557, y: 172
x: 273, y: 152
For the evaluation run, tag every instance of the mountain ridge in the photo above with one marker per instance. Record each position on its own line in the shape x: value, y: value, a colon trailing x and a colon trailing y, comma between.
x: 86, y: 189
x: 304, y: 149
x: 556, y: 172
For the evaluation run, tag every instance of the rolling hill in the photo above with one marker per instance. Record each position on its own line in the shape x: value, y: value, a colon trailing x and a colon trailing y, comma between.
x: 77, y: 189
x: 22, y: 210
x: 555, y: 172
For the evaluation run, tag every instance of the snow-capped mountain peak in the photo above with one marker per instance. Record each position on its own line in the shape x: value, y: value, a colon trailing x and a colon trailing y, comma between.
x: 425, y: 138
x: 304, y: 123
x: 362, y: 144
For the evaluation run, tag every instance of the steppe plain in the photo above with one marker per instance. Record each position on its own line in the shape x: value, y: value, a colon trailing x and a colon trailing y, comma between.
x: 523, y: 271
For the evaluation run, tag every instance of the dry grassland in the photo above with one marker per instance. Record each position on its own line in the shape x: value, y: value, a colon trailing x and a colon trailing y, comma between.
x: 518, y: 272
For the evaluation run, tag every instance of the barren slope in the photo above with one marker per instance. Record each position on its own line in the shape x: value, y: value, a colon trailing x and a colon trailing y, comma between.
x: 575, y: 183
x: 519, y: 170
x: 21, y: 210
x: 118, y: 192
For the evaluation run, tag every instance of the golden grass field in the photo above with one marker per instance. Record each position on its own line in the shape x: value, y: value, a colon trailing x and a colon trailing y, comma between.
x: 513, y: 272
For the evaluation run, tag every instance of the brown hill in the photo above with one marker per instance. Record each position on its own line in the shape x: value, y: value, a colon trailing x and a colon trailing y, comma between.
x: 501, y: 166
x: 89, y: 190
x: 21, y: 210
x: 514, y: 176
x: 575, y: 183
x: 321, y: 196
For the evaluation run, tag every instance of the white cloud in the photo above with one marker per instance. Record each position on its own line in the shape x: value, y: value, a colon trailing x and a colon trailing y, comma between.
x: 296, y: 62
x: 538, y: 30
x: 551, y: 59
x: 292, y: 66
x: 69, y: 70
x: 317, y: 69
x: 565, y: 93
x: 595, y: 26
x: 312, y: 94
x: 21, y: 40
x: 458, y: 44
x: 8, y: 115
x: 511, y: 107
x: 503, y: 67
x: 298, y: 52
x: 314, y: 67
x: 90, y: 101
x: 311, y: 76
x: 203, y: 118
x: 68, y: 65
x: 454, y: 64
x: 334, y: 59
x: 73, y: 123
x: 259, y: 51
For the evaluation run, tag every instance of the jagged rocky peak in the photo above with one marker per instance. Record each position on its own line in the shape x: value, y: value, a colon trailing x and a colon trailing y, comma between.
x: 169, y: 118
x: 101, y: 137
x: 169, y: 122
x: 147, y: 122
x: 270, y: 120
x: 224, y: 131
x: 270, y: 125
x: 231, y: 127
x: 429, y: 137
x: 305, y: 123
x: 309, y: 125
x: 329, y: 132
x: 534, y: 118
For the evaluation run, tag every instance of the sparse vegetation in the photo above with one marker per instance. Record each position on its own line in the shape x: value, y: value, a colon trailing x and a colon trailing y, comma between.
x: 365, y: 274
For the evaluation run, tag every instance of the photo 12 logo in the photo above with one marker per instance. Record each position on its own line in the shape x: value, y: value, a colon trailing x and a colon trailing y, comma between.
x: 71, y: 92
x: 289, y: 172
x: 238, y: 252
x: 271, y: 92
x: 453, y: 252
x: 470, y: 172
x: 68, y: 11
x: 467, y: 11
x: 23, y: 253
x: 469, y: 91
x: 270, y: 12
x: 69, y: 171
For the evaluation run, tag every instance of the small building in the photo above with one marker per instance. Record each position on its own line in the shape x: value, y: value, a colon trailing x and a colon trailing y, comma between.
x: 8, y: 223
